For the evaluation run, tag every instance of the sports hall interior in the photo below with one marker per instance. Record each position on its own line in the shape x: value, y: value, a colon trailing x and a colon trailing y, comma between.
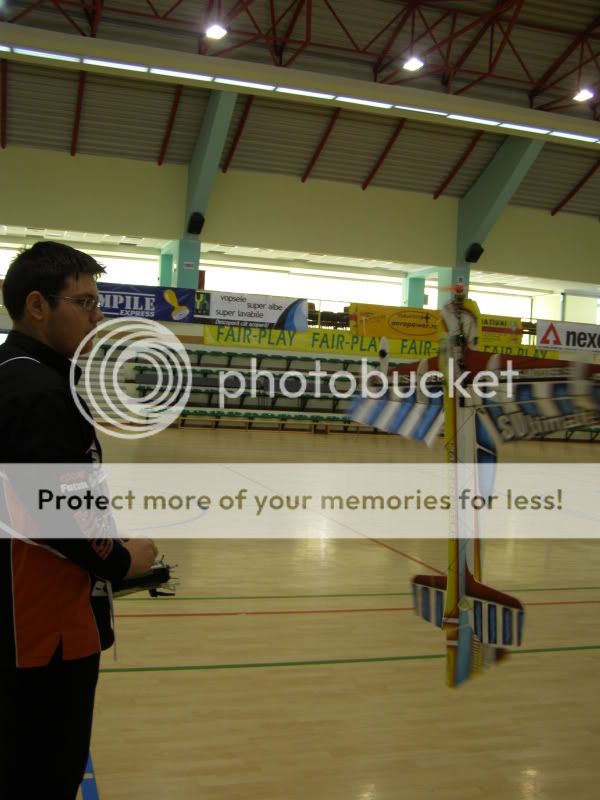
x: 298, y: 157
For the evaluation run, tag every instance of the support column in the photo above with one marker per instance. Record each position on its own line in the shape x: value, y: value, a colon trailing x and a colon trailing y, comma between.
x: 202, y: 172
x: 481, y: 207
x: 181, y: 260
x: 166, y: 268
x: 414, y: 292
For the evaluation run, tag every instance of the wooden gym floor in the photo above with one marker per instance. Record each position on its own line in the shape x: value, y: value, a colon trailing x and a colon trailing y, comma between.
x: 296, y: 670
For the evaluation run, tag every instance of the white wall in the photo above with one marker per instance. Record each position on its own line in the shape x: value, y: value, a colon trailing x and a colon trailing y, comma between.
x: 547, y: 307
x: 581, y: 309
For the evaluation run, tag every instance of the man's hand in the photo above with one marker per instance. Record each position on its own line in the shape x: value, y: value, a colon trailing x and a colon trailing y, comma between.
x: 143, y: 554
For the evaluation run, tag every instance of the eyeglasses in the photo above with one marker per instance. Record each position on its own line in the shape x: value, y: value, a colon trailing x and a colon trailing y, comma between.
x: 88, y: 304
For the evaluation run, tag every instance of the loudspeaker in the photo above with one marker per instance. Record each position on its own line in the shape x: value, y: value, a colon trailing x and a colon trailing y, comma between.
x: 474, y: 253
x: 195, y: 223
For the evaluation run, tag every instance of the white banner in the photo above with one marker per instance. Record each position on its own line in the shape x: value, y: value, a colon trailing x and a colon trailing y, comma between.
x: 568, y: 336
x: 230, y: 308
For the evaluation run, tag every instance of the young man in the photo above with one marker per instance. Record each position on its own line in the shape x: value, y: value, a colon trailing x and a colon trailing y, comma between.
x: 51, y: 627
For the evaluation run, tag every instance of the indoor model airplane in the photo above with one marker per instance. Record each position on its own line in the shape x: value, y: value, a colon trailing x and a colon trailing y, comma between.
x: 546, y: 396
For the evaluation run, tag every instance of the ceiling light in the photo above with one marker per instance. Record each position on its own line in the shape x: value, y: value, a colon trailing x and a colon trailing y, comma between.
x: 413, y: 64
x: 96, y: 62
x: 357, y: 101
x: 21, y: 51
x: 524, y: 128
x: 4, y: 48
x: 246, y: 84
x: 583, y: 95
x: 423, y: 110
x: 578, y: 137
x: 172, y: 73
x: 215, y: 31
x: 303, y: 93
x: 477, y: 120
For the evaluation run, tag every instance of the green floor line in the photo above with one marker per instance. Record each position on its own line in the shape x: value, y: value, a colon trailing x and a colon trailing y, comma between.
x: 349, y: 594
x: 327, y: 662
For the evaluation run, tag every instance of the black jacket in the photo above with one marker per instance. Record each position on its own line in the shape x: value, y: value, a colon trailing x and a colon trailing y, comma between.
x: 54, y: 591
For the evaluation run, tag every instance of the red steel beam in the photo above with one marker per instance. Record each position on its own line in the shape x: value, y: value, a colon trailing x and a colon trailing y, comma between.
x: 238, y: 133
x: 273, y: 19
x: 408, y: 11
x: 288, y: 34
x: 260, y: 35
x: 562, y: 78
x: 240, y: 6
x: 170, y: 10
x: 506, y: 34
x: 4, y: 103
x: 382, y: 31
x: 272, y: 47
x: 68, y: 17
x: 341, y: 24
x: 98, y: 6
x: 551, y: 105
x: 481, y: 20
x: 385, y: 153
x: 472, y: 45
x: 407, y: 50
x: 322, y: 143
x: 307, y: 35
x: 170, y: 122
x: 26, y: 11
x: 493, y: 63
x: 485, y: 21
x: 576, y: 189
x: 447, y: 76
x: 517, y: 56
x: 430, y: 30
x: 78, y: 109
x: 542, y: 83
x: 455, y: 169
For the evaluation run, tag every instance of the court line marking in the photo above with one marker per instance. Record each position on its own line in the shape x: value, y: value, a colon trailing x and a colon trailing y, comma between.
x: 340, y: 594
x: 358, y: 533
x: 332, y: 661
x: 278, y: 612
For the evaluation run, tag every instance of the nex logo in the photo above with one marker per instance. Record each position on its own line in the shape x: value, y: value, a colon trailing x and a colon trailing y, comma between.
x: 583, y: 339
x: 551, y: 331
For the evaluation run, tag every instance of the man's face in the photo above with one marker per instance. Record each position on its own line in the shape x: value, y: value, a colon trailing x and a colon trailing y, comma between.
x: 68, y: 323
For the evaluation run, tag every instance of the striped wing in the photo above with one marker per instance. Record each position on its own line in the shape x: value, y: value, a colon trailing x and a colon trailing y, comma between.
x: 421, y: 421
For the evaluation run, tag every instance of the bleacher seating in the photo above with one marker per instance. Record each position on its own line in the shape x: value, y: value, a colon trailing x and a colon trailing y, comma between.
x: 258, y: 409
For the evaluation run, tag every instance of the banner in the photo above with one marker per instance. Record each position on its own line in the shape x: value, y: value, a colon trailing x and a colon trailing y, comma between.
x: 394, y: 322
x: 502, y: 331
x: 568, y: 336
x: 324, y: 341
x: 251, y: 310
x: 152, y: 302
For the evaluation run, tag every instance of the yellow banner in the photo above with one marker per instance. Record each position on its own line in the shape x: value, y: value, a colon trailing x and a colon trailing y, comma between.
x: 519, y: 350
x: 327, y: 342
x: 501, y: 331
x: 315, y: 341
x: 394, y: 322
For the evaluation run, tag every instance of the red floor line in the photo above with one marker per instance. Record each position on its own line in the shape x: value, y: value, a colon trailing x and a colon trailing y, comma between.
x: 323, y: 610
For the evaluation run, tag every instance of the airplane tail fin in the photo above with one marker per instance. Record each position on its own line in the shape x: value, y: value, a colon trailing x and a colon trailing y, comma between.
x: 478, y: 631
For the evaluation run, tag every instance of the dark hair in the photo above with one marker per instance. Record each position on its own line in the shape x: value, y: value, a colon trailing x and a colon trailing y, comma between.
x: 46, y: 268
